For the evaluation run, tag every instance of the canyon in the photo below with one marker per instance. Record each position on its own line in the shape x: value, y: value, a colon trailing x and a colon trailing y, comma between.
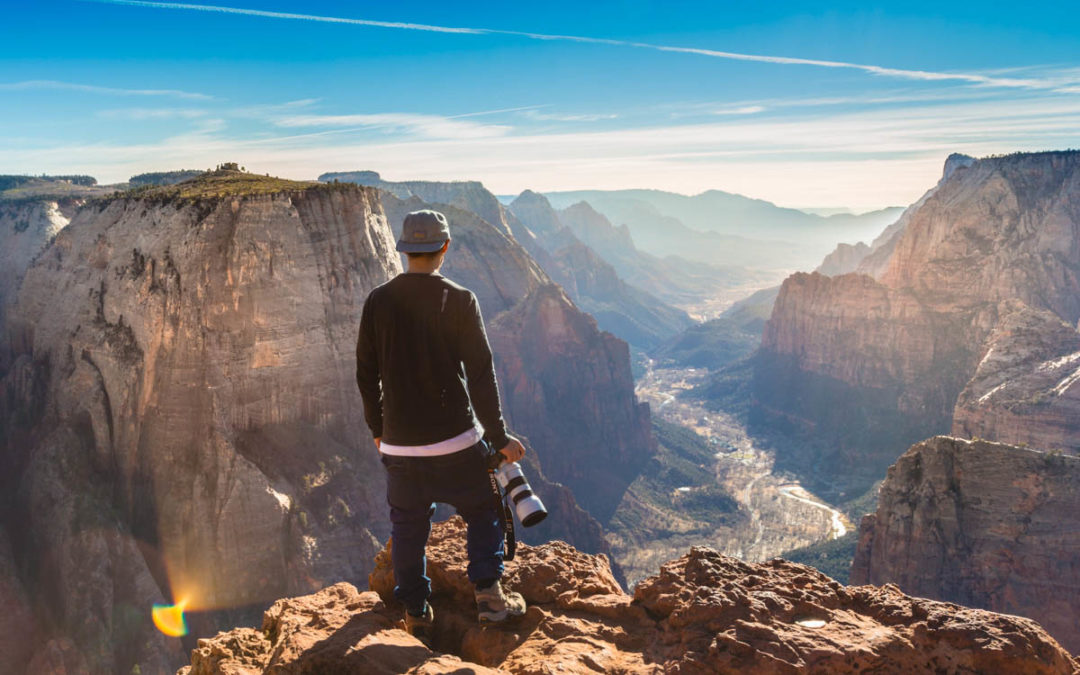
x: 182, y: 420
x: 867, y: 365
x: 964, y: 321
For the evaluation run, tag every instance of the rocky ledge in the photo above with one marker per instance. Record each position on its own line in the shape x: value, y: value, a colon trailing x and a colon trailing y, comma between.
x: 703, y: 613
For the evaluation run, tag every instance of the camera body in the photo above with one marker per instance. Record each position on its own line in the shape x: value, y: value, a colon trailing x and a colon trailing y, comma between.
x: 530, y: 510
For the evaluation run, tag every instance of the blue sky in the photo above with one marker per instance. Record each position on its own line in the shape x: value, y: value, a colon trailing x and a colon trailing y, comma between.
x: 853, y: 105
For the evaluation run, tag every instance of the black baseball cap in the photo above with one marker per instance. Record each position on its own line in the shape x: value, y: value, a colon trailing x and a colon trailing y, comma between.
x: 423, y: 232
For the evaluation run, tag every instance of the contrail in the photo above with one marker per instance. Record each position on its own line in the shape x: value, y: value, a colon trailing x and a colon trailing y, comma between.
x: 901, y: 73
x: 95, y: 89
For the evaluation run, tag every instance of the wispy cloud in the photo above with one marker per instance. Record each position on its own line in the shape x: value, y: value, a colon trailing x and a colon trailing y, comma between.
x: 741, y: 110
x: 95, y: 89
x: 862, y: 159
x: 535, y: 114
x: 1059, y: 83
x: 428, y: 126
x: 140, y: 114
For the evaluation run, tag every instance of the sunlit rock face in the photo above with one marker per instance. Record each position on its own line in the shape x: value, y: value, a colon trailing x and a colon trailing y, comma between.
x: 703, y: 613
x: 982, y: 524
x: 853, y: 360
x: 181, y: 413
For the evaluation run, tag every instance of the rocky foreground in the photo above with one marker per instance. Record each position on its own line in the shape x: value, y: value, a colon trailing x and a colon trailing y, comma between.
x: 703, y: 613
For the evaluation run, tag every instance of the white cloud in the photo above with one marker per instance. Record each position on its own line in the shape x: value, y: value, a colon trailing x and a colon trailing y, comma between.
x: 427, y: 126
x: 741, y: 110
x: 95, y: 89
x: 289, y: 15
x: 139, y: 114
x: 568, y: 117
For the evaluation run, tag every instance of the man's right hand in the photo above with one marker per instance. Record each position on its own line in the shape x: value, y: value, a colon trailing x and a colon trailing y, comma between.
x: 514, y: 450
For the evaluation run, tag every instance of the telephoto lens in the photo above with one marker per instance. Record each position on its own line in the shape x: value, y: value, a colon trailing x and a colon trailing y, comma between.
x: 530, y: 510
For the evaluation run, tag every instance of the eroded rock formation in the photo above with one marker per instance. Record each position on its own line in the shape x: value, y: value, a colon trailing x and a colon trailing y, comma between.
x: 703, y: 613
x: 25, y: 228
x: 569, y: 387
x: 1023, y: 391
x: 879, y: 363
x: 983, y: 524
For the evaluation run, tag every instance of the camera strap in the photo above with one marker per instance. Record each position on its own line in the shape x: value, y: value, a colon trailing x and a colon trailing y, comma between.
x: 506, y: 519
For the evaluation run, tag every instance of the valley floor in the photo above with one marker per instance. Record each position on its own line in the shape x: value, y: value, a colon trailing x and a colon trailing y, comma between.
x: 774, y: 512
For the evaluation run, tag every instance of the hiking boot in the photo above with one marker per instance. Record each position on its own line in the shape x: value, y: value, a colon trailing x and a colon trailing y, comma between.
x: 494, y: 605
x: 421, y: 627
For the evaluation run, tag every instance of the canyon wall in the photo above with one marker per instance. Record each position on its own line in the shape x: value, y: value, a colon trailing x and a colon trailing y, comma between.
x: 865, y: 366
x: 181, y: 415
x: 1024, y: 390
x: 981, y: 524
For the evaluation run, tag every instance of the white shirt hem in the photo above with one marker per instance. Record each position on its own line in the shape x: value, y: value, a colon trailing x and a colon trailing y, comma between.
x: 450, y: 445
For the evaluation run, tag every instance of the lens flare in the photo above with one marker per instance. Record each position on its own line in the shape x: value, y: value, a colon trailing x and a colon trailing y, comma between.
x: 169, y: 619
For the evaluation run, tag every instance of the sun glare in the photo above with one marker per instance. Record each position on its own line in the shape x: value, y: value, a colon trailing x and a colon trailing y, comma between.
x: 169, y: 619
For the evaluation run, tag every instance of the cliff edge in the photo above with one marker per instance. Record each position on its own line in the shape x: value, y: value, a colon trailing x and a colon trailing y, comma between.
x: 703, y: 613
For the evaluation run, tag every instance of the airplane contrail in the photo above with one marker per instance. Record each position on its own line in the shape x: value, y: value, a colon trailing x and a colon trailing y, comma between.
x: 902, y: 73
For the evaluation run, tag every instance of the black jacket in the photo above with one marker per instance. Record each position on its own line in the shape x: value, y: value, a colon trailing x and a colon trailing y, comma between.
x: 422, y: 338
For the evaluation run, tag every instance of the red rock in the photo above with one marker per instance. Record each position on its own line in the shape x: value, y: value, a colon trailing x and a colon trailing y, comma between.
x: 703, y: 613
x: 984, y: 524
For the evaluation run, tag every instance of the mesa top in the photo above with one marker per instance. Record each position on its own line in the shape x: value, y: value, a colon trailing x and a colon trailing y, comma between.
x: 422, y: 339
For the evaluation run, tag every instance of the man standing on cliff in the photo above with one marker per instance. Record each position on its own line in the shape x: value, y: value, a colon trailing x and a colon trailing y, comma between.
x: 424, y: 367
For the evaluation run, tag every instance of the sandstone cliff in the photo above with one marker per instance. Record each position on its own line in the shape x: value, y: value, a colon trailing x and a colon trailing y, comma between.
x: 844, y: 259
x: 568, y: 386
x: 982, y: 524
x: 703, y: 613
x: 25, y: 228
x: 859, y: 363
x: 181, y: 416
x: 1023, y: 391
x: 881, y: 248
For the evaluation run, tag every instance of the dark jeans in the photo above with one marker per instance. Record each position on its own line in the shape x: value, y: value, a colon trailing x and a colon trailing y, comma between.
x: 460, y: 480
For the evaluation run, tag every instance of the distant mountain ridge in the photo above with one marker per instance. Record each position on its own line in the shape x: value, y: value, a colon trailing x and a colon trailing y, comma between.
x: 721, y: 227
x: 632, y: 314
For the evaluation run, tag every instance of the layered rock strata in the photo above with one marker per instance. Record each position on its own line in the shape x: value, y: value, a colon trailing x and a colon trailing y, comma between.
x: 1025, y: 390
x: 703, y: 613
x: 982, y: 524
